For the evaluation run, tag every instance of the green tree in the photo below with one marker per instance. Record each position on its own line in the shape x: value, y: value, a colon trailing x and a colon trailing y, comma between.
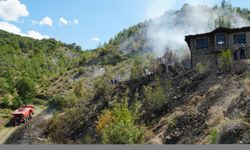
x: 223, y: 22
x: 226, y: 5
x: 117, y: 126
x: 26, y: 89
x: 223, y: 3
x: 4, y: 86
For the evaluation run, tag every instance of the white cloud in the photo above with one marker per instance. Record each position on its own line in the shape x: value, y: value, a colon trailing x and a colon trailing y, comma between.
x: 36, y: 35
x: 13, y: 29
x: 11, y: 10
x: 95, y: 39
x: 76, y: 21
x: 46, y: 21
x: 63, y: 21
x: 9, y: 28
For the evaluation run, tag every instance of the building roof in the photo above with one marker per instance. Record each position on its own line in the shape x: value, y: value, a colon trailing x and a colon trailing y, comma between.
x: 218, y: 30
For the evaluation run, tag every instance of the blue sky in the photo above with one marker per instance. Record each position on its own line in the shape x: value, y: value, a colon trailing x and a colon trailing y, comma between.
x: 85, y: 22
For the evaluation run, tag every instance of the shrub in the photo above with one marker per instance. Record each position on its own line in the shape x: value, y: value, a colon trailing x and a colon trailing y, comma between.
x: 58, y: 101
x: 26, y: 89
x: 226, y: 58
x: 103, y: 120
x: 142, y: 62
x: 17, y: 102
x: 87, y: 139
x: 5, y: 102
x: 61, y: 102
x: 201, y: 68
x: 63, y: 126
x: 81, y: 70
x: 117, y: 126
x: 102, y: 86
x: 136, y: 71
x: 213, y: 135
x: 4, y: 86
x: 70, y: 100
x: 154, y: 96
x: 79, y: 89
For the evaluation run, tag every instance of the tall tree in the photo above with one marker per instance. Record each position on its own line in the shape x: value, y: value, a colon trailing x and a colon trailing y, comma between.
x: 223, y: 22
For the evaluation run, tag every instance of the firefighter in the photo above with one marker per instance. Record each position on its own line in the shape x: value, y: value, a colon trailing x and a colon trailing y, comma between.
x: 235, y: 53
x: 242, y: 52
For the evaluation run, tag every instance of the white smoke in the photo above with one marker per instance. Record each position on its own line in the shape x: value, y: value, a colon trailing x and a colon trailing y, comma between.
x: 167, y: 33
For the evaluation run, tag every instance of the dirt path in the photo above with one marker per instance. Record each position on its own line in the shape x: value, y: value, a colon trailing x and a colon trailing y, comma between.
x: 6, y: 132
x: 31, y: 132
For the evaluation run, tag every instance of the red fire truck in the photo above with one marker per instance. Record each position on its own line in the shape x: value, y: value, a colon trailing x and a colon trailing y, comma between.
x: 23, y: 114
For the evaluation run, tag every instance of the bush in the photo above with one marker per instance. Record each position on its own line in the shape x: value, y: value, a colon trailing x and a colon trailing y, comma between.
x: 71, y: 100
x: 5, y: 102
x: 136, y: 71
x: 87, y: 139
x: 64, y: 126
x: 61, y: 102
x: 154, y: 96
x: 58, y: 101
x: 4, y: 86
x: 81, y: 70
x: 213, y: 135
x: 103, y: 120
x: 117, y: 126
x: 201, y: 68
x: 79, y: 89
x: 17, y: 102
x: 26, y: 89
x: 226, y: 58
x: 102, y: 86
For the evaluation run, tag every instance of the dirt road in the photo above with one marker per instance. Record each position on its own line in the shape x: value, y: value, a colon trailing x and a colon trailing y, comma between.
x: 6, y: 132
x: 31, y: 133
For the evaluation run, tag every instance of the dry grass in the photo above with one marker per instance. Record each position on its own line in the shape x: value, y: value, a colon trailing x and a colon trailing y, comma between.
x: 196, y: 99
x: 170, y: 120
x: 148, y: 134
x: 215, y: 116
x: 247, y: 81
x: 5, y: 113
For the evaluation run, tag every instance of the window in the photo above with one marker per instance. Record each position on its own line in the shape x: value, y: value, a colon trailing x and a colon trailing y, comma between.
x: 240, y: 39
x: 220, y: 39
x: 202, y: 43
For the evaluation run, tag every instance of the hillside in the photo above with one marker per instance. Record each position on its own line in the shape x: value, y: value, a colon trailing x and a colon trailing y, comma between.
x: 196, y: 107
x: 121, y: 93
x: 25, y: 60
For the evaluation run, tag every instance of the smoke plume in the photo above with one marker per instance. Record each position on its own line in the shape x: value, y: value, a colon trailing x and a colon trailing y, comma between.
x: 167, y: 32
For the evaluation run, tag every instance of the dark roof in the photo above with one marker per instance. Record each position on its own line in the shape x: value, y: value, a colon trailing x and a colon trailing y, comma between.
x: 218, y: 30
